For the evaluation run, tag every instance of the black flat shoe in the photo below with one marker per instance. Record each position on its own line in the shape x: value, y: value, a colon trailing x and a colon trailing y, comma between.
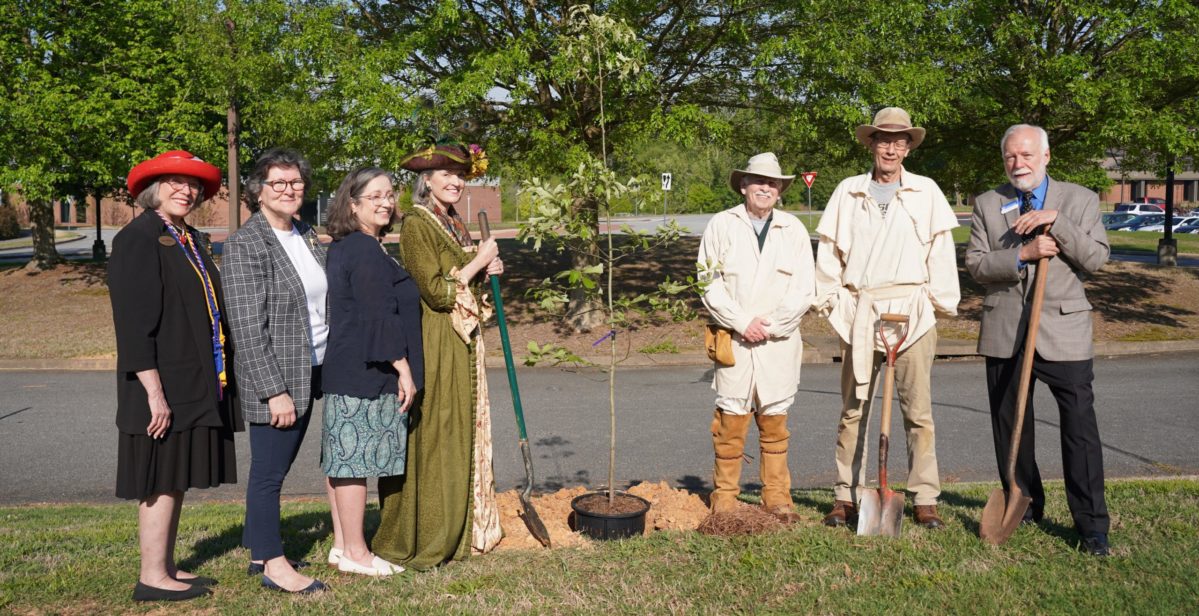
x: 315, y: 586
x: 141, y: 592
x: 260, y: 568
x: 199, y: 580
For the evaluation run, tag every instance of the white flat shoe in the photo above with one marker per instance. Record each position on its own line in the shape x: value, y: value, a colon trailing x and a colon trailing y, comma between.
x: 334, y: 556
x: 383, y: 565
x: 377, y: 568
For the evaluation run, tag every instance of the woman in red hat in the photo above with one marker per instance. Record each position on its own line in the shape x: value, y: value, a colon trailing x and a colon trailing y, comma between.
x: 443, y: 507
x: 174, y: 413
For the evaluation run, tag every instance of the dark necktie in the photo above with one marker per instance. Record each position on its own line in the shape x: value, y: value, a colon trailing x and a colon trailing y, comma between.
x: 1026, y: 207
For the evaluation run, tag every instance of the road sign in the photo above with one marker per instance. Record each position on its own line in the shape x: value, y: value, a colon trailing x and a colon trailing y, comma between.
x: 665, y: 181
x: 808, y: 177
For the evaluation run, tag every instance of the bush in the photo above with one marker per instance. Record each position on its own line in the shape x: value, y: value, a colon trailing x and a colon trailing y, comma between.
x: 10, y: 227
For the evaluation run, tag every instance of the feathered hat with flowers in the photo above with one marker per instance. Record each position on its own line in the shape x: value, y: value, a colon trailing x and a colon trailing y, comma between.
x: 471, y: 160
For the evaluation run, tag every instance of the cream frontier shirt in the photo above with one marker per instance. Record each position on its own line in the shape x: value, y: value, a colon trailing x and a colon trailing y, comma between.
x: 777, y: 283
x: 904, y: 262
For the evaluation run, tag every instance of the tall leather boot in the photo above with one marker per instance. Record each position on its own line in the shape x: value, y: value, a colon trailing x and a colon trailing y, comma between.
x: 728, y: 441
x: 776, y: 477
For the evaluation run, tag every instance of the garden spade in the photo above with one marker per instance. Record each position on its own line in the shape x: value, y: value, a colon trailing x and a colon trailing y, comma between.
x: 1004, y: 511
x: 529, y: 515
x: 881, y: 511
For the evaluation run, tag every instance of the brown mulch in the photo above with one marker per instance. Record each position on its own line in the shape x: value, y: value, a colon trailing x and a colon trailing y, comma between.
x: 744, y: 520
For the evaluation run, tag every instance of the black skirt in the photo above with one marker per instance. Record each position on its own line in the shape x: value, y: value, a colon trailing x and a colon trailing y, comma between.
x: 202, y: 457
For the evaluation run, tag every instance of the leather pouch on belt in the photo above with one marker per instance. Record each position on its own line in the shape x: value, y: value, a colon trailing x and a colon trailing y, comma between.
x: 719, y: 343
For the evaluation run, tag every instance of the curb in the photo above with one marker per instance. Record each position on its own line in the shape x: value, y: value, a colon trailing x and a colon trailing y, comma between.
x: 817, y: 350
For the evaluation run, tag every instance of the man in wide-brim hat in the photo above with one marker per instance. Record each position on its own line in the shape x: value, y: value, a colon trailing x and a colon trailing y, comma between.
x: 886, y: 247
x: 757, y: 264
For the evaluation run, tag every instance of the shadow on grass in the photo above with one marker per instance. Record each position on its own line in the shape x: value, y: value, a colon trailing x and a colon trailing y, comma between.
x: 301, y: 533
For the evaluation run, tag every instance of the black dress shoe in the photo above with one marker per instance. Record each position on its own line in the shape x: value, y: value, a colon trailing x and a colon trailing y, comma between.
x: 1095, y: 544
x: 199, y: 580
x: 1030, y: 517
x: 315, y: 586
x: 260, y: 568
x: 142, y: 592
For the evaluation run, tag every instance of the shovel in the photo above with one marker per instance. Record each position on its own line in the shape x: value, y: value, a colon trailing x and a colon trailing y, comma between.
x: 1003, y: 513
x: 881, y: 512
x: 529, y: 515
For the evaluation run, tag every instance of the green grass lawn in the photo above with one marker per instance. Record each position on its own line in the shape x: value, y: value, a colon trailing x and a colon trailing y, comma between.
x: 83, y: 559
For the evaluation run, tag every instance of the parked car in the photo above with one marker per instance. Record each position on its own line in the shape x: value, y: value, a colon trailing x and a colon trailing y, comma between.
x: 1140, y: 221
x: 1192, y: 228
x: 1179, y: 221
x: 1140, y: 208
x: 1110, y: 219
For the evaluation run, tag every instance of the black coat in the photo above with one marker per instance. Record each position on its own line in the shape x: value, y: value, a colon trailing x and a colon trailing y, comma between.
x: 160, y: 314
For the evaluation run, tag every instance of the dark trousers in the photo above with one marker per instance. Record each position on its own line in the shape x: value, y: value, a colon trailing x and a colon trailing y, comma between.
x: 272, y: 452
x: 1082, y: 451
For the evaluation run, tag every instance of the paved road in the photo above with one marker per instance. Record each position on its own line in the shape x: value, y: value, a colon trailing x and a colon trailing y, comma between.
x: 57, y: 439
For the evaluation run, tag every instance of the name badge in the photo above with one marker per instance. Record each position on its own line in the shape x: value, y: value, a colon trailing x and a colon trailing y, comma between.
x: 166, y: 240
x: 1007, y: 207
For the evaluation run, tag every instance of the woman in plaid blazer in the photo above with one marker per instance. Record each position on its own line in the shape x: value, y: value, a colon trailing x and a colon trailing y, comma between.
x: 274, y: 281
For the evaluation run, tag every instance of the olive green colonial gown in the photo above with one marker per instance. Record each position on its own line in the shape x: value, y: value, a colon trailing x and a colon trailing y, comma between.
x: 426, y: 514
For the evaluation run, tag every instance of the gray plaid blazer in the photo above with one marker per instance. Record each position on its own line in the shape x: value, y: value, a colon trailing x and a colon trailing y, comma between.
x: 267, y: 311
x: 1065, y: 330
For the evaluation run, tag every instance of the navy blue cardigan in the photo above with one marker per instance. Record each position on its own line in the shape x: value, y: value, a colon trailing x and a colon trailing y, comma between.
x: 374, y: 319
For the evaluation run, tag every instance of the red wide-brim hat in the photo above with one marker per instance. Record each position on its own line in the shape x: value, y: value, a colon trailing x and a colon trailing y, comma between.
x: 174, y: 162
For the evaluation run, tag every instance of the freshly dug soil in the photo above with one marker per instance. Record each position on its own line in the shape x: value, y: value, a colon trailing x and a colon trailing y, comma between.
x: 670, y: 509
x: 745, y: 520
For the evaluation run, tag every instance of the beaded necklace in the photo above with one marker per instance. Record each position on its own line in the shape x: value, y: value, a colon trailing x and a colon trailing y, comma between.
x: 185, y: 241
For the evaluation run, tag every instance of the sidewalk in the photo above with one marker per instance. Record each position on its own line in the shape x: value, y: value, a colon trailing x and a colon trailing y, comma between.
x: 817, y: 350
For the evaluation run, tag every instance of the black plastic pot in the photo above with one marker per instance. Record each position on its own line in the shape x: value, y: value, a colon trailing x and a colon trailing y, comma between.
x: 606, y: 526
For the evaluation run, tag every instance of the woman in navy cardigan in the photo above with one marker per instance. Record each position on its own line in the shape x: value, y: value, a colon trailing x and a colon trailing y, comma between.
x: 374, y: 362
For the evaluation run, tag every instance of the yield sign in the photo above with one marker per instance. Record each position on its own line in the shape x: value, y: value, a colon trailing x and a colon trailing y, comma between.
x: 808, y: 177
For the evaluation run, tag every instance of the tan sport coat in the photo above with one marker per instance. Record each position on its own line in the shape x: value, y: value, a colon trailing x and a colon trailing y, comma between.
x: 991, y: 257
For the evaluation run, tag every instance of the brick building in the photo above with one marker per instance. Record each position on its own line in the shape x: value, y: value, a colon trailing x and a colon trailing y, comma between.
x: 214, y: 213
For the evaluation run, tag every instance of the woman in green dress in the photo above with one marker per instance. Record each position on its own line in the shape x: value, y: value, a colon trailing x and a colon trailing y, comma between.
x: 443, y: 508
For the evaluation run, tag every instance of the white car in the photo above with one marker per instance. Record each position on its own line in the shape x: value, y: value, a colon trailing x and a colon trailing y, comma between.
x: 1179, y: 221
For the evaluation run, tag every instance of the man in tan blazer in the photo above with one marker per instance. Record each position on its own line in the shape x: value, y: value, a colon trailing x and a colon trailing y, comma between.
x: 1002, y: 254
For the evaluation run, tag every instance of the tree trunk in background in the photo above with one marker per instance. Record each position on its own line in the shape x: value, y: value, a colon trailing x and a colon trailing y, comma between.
x: 41, y: 223
x: 585, y: 311
x: 232, y: 123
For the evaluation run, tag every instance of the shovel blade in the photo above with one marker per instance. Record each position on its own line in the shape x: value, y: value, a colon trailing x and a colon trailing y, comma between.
x: 533, y: 521
x: 870, y: 511
x: 880, y: 513
x: 891, y: 518
x: 1002, y: 515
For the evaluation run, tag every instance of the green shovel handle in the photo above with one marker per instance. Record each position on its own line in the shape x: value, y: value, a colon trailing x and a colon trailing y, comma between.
x: 485, y: 230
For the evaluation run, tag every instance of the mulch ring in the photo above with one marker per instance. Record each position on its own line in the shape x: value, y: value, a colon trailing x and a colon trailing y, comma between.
x: 670, y: 509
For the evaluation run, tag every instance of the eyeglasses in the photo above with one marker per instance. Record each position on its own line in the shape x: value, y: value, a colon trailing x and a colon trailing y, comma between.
x: 178, y: 184
x: 279, y: 185
x: 898, y: 144
x: 377, y: 200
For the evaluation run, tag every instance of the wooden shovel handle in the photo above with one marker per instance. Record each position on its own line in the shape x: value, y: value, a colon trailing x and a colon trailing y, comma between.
x: 484, y: 226
x: 1030, y: 351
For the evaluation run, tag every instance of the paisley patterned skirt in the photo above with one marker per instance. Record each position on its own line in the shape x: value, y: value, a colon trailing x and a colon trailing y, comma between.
x: 363, y: 438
